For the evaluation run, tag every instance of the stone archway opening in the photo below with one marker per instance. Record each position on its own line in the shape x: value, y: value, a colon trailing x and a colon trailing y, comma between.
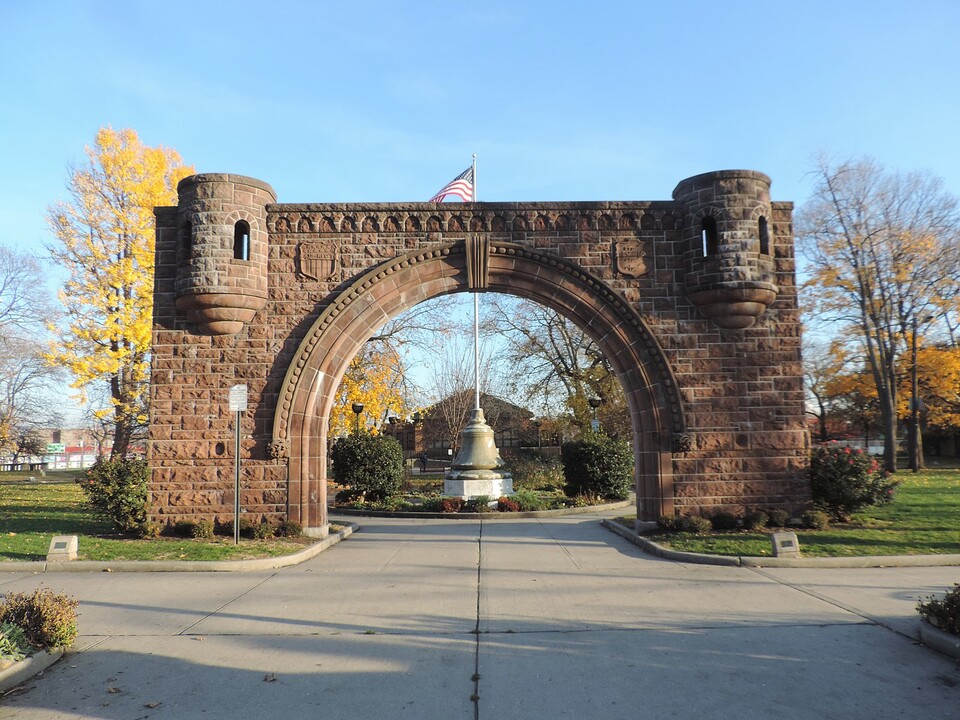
x: 390, y: 288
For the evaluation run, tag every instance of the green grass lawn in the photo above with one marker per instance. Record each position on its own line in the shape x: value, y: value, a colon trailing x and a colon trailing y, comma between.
x: 924, y: 518
x: 31, y: 513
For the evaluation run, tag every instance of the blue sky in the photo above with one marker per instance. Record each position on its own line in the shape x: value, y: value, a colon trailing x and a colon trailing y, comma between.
x: 386, y: 101
x: 381, y: 101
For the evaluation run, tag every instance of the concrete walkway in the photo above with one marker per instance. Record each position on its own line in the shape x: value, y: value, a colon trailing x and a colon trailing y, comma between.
x: 525, y: 619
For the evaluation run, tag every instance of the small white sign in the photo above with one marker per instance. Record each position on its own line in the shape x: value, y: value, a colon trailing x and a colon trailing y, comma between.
x: 238, y: 398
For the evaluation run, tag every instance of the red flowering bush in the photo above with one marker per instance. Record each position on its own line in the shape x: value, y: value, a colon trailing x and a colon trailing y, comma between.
x: 844, y: 480
x: 451, y: 504
x: 505, y: 504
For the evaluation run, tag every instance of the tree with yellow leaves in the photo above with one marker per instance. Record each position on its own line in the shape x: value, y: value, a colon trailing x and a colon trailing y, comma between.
x: 374, y: 379
x: 882, y: 249
x: 105, y: 240
x: 938, y: 372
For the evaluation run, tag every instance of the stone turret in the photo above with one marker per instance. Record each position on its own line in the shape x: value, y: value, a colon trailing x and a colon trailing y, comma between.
x: 728, y: 261
x: 222, y: 250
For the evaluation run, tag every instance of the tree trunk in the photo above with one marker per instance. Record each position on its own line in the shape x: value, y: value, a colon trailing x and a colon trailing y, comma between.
x: 921, y: 463
x: 122, y: 435
x: 888, y: 415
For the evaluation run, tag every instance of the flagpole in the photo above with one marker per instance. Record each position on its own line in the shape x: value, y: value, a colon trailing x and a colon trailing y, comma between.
x: 476, y: 317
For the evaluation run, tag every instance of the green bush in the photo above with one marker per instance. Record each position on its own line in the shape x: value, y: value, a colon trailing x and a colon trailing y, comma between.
x: 184, y: 528
x: 117, y: 490
x: 478, y: 504
x: 369, y: 465
x: 263, y: 531
x: 670, y: 523
x: 685, y: 523
x: 226, y: 528
x: 390, y: 504
x: 944, y: 612
x: 755, y: 520
x: 598, y: 465
x: 13, y: 642
x: 48, y: 620
x: 534, y: 472
x: 696, y: 524
x: 777, y: 518
x: 815, y: 519
x: 289, y: 528
x: 529, y: 501
x: 723, y: 520
x: 432, y: 504
x: 844, y: 480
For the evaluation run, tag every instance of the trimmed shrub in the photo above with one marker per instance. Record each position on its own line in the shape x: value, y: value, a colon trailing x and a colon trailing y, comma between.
x: 696, y: 525
x: 263, y: 531
x: 722, y: 521
x: 597, y: 465
x: 777, y: 518
x: 505, y: 504
x: 289, y: 528
x: 943, y: 613
x: 203, y: 529
x: 844, y: 480
x: 183, y: 528
x: 48, y: 620
x: 226, y: 528
x: 369, y: 465
x: 815, y: 519
x: 670, y: 523
x: 755, y: 520
x: 117, y: 490
x: 685, y: 523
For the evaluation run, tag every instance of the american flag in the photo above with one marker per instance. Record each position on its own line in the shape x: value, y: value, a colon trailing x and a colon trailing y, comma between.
x: 461, y: 186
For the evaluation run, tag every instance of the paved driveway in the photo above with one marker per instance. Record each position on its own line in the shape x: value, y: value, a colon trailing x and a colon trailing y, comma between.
x: 498, y: 619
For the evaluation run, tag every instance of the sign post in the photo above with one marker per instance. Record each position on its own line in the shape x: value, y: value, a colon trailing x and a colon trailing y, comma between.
x: 238, y: 404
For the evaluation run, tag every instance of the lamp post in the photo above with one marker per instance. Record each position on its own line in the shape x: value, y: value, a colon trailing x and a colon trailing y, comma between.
x: 595, y: 403
x: 915, y: 400
x: 357, y: 409
x: 537, y: 424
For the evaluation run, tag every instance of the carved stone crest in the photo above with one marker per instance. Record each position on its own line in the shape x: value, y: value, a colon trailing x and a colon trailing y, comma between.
x: 278, y: 449
x: 319, y: 259
x: 630, y: 257
x: 682, y: 442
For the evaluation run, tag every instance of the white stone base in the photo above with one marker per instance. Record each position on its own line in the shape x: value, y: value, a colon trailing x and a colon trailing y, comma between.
x: 469, y: 484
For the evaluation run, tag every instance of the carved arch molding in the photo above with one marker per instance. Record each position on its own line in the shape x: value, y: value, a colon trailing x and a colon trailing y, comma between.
x: 478, y: 263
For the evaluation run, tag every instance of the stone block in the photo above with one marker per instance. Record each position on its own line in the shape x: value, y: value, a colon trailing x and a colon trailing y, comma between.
x: 785, y: 544
x: 63, y: 548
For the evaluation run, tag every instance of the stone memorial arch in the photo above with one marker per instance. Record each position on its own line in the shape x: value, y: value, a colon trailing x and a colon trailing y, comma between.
x: 693, y: 300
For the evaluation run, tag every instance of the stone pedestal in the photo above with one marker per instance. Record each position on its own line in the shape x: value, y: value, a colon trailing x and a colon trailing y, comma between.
x: 477, y: 469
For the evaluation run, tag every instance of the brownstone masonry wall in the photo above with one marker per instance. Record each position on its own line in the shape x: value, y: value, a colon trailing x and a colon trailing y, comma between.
x: 694, y: 299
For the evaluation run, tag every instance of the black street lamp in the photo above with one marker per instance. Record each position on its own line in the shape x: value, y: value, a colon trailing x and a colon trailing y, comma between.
x: 595, y: 402
x: 357, y: 408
